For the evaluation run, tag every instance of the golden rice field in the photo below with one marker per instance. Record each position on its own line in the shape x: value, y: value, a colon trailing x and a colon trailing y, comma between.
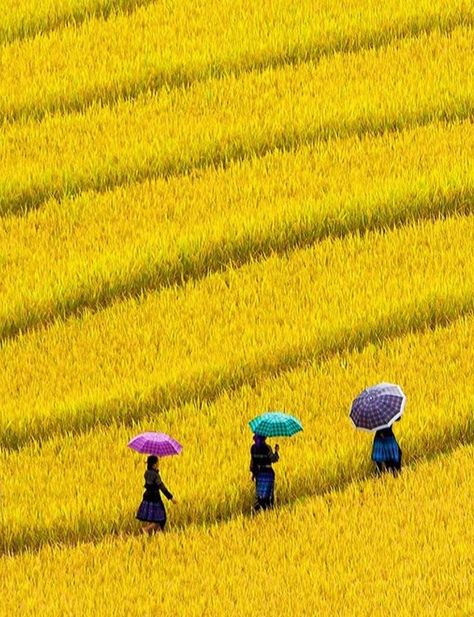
x: 209, y: 210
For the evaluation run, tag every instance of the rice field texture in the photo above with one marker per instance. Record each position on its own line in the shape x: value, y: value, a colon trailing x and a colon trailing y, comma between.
x: 208, y: 211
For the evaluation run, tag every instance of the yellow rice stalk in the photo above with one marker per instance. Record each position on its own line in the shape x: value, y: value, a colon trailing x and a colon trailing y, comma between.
x: 217, y: 86
x: 175, y: 43
x: 384, y: 545
x: 27, y: 18
x: 191, y: 342
x: 91, y: 484
x: 87, y: 251
x: 415, y: 81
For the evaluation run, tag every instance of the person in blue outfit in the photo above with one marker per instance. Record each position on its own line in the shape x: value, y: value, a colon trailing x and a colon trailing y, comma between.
x: 152, y: 510
x: 261, y: 459
x: 386, y: 453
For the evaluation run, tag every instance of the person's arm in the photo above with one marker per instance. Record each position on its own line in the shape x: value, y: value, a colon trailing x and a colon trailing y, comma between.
x: 275, y: 456
x: 163, y: 489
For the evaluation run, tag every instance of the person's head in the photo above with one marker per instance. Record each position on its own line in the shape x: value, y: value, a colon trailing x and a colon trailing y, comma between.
x: 152, y: 462
x: 259, y: 440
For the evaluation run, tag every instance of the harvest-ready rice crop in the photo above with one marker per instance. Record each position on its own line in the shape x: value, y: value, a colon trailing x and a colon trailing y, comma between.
x: 94, y: 248
x: 211, y: 210
x: 191, y: 342
x: 321, y: 556
x: 26, y: 18
x: 71, y: 470
x: 222, y: 120
x: 175, y: 43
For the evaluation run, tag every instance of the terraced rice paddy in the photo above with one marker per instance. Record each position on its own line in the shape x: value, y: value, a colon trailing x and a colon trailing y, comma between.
x: 210, y: 210
x: 319, y: 567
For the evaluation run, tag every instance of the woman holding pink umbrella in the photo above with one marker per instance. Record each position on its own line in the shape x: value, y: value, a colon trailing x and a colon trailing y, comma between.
x: 152, y: 510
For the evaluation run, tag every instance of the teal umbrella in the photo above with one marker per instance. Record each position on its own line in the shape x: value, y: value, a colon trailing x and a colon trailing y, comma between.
x: 275, y: 424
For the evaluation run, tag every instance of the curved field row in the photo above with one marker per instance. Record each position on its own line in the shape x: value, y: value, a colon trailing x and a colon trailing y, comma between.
x: 318, y: 554
x: 192, y: 342
x: 94, y: 249
x: 91, y: 484
x: 177, y: 43
x: 27, y: 18
x: 219, y: 121
x: 305, y: 227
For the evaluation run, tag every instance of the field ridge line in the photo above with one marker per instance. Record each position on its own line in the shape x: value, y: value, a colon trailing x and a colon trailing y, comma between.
x: 30, y: 30
x: 227, y: 253
x: 223, y: 157
x: 438, y: 311
x: 461, y: 437
x: 378, y: 39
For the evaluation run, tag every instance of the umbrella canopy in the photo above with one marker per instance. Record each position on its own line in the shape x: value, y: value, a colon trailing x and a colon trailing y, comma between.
x: 159, y: 444
x: 275, y: 424
x: 378, y: 407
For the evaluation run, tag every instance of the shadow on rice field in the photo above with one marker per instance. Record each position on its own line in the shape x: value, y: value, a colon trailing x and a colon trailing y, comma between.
x: 219, y: 68
x: 85, y: 530
x: 435, y: 313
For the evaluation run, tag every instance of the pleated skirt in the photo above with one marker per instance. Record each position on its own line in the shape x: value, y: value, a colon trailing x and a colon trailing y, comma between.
x: 151, y: 512
x: 386, y: 450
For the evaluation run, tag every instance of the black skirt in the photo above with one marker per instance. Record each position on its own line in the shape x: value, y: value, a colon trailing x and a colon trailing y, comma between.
x: 152, y: 512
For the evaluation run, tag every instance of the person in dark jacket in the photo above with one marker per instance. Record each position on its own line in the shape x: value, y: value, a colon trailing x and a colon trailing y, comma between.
x: 386, y: 452
x: 261, y: 459
x: 152, y: 510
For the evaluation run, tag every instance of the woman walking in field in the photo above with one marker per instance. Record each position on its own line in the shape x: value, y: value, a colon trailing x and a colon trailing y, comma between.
x: 261, y: 459
x: 376, y: 409
x: 386, y: 453
x: 152, y: 510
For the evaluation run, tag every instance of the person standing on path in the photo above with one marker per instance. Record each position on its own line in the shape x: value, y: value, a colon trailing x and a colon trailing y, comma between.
x: 375, y: 409
x: 152, y: 510
x: 261, y: 459
x: 386, y: 453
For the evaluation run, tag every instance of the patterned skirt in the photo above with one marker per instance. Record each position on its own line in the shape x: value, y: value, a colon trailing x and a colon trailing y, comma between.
x: 265, y: 483
x: 386, y: 450
x: 151, y: 512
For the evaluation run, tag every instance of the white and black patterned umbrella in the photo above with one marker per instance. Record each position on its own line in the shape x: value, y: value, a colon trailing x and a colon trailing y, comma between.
x: 378, y: 407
